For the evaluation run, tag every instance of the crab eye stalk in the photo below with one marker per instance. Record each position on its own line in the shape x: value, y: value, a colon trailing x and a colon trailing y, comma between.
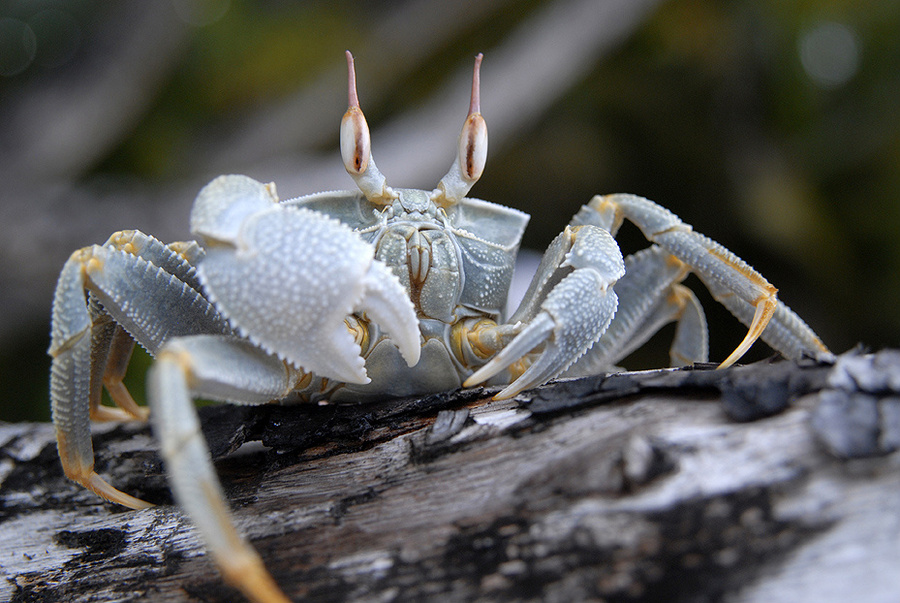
x: 471, y: 153
x: 356, y: 146
x: 473, y: 138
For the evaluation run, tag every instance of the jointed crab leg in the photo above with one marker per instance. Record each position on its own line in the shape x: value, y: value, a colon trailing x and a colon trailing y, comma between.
x: 152, y: 303
x: 111, y: 352
x: 727, y: 276
x: 650, y: 297
x: 226, y: 369
x: 691, y: 341
x: 786, y: 331
x: 112, y: 346
x: 552, y: 335
x: 568, y: 307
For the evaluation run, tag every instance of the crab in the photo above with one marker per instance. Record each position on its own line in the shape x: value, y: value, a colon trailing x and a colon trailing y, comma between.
x: 367, y: 294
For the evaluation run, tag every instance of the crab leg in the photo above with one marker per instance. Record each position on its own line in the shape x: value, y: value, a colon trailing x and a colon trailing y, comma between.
x: 725, y: 274
x: 151, y: 303
x: 111, y: 344
x: 110, y: 354
x: 786, y: 331
x: 650, y: 297
x: 566, y: 309
x: 221, y: 368
x: 691, y: 341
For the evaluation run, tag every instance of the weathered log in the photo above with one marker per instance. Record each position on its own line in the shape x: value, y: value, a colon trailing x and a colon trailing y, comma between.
x: 769, y: 482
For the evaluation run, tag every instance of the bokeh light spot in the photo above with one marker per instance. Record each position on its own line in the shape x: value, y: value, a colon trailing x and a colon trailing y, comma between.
x: 829, y: 53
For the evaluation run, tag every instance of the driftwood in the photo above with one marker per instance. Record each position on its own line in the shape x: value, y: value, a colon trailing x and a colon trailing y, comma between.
x: 769, y: 482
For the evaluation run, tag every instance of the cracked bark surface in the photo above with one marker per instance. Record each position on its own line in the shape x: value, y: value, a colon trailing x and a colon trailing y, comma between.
x: 768, y: 482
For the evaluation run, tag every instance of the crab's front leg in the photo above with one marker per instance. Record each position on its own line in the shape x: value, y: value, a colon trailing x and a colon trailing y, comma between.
x: 733, y: 283
x: 287, y: 279
x: 219, y: 368
x: 568, y: 306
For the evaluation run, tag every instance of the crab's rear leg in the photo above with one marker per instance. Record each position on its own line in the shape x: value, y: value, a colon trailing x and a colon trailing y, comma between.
x: 110, y: 354
x: 735, y: 284
x: 222, y: 368
x: 149, y: 301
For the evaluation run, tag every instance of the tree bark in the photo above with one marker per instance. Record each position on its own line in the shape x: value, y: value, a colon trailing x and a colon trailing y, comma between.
x: 768, y: 482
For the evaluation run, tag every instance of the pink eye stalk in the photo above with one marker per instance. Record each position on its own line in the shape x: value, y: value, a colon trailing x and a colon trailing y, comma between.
x: 472, y: 150
x: 356, y: 146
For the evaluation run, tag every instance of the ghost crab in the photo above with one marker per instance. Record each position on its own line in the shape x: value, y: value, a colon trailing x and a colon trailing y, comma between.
x: 404, y: 295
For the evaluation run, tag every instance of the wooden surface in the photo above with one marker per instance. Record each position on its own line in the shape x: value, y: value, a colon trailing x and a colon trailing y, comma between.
x: 770, y: 482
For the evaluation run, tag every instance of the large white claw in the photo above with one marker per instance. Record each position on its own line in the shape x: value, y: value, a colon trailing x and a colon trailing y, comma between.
x: 287, y: 279
x: 387, y: 304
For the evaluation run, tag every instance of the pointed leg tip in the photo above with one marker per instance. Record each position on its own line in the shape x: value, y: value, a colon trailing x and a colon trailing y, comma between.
x: 104, y: 414
x: 483, y: 374
x: 506, y: 394
x: 743, y: 347
x: 765, y: 309
x: 729, y: 361
x: 245, y: 571
x: 101, y: 487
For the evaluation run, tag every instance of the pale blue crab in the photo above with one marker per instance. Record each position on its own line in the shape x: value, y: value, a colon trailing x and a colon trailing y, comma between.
x: 374, y: 293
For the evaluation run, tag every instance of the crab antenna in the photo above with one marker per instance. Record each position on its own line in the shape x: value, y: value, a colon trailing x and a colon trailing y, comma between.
x: 356, y: 146
x: 471, y: 152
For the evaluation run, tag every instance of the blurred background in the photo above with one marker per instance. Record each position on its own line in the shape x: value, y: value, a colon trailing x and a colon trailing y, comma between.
x: 771, y: 126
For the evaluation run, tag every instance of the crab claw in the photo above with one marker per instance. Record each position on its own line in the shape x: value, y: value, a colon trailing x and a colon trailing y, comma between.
x: 287, y: 278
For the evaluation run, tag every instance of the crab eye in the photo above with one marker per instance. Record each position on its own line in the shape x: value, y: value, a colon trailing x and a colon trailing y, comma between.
x: 356, y: 146
x: 473, y: 147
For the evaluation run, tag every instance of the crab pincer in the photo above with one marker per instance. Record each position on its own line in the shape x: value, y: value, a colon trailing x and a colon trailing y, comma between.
x: 311, y: 270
